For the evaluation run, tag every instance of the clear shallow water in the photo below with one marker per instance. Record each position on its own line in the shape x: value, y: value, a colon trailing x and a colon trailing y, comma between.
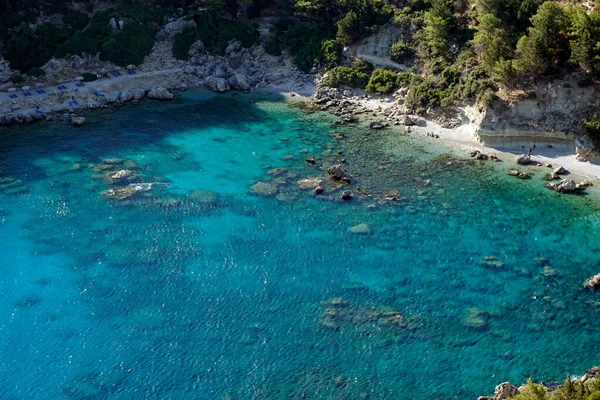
x: 174, y: 295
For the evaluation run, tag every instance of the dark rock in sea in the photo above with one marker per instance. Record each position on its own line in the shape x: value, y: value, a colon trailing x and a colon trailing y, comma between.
x: 336, y: 172
x: 27, y: 302
x: 263, y: 189
x: 376, y: 125
x: 347, y: 195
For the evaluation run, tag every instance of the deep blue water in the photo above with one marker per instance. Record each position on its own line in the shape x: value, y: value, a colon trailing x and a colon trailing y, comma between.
x: 172, y: 294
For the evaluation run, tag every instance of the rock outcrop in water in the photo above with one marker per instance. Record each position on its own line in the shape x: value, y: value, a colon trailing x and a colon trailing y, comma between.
x: 593, y: 282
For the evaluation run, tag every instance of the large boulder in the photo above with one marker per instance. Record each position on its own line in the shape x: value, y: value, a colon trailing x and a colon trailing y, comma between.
x: 113, y: 97
x: 523, y: 159
x: 505, y: 391
x: 197, y: 48
x: 160, y: 93
x: 125, y: 96
x: 565, y: 186
x: 361, y: 229
x: 239, y: 82
x: 138, y: 94
x: 179, y: 25
x: 218, y: 84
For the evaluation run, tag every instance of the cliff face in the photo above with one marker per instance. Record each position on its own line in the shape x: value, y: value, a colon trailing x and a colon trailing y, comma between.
x: 553, y: 114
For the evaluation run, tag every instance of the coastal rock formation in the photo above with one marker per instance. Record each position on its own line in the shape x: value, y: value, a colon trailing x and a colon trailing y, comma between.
x: 553, y: 115
x: 593, y: 282
x: 565, y: 186
x: 505, y: 391
x: 239, y: 81
x: 138, y: 94
x: 125, y: 96
x: 218, y: 84
x: 160, y: 93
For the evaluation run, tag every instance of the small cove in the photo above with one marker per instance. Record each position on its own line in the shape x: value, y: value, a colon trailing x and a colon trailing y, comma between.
x: 176, y: 294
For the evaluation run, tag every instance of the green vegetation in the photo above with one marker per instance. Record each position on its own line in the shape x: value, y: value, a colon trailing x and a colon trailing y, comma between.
x: 400, y: 51
x: 592, y: 129
x: 345, y: 76
x: 16, y: 79
x: 569, y: 390
x: 36, y: 71
x: 87, y: 77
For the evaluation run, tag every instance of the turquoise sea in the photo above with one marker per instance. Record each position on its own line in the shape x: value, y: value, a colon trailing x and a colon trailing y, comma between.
x: 183, y: 283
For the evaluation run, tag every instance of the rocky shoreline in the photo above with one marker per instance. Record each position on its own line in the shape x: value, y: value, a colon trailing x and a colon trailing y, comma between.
x: 507, y: 390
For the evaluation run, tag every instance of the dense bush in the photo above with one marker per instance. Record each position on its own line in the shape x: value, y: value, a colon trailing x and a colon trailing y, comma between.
x: 272, y: 46
x: 305, y: 44
x: 592, y: 129
x: 16, y: 79
x: 217, y: 32
x: 87, y: 77
x: 424, y: 93
x: 332, y: 53
x: 385, y: 81
x: 182, y: 42
x: 36, y: 71
x: 345, y: 76
x: 128, y: 46
x: 400, y: 51
x: 76, y: 19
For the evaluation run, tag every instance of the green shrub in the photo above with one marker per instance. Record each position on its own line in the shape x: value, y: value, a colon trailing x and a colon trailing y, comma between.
x: 363, y: 66
x: 400, y: 51
x: 36, y: 71
x: 305, y: 44
x: 592, y: 129
x: 87, y: 77
x: 16, y: 79
x: 76, y: 19
x: 182, y: 42
x: 332, y: 53
x: 128, y: 46
x: 488, y: 98
x: 382, y: 81
x: 345, y: 76
x: 532, y: 391
x: 272, y: 46
x: 425, y: 93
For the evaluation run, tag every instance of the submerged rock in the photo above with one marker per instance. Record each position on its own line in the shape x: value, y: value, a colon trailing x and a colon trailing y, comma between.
x: 310, y: 183
x: 361, y: 229
x: 263, y: 189
x: 123, y: 175
x: 519, y: 174
x: 491, y: 262
x: 376, y: 125
x: 206, y: 197
x: 475, y: 318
